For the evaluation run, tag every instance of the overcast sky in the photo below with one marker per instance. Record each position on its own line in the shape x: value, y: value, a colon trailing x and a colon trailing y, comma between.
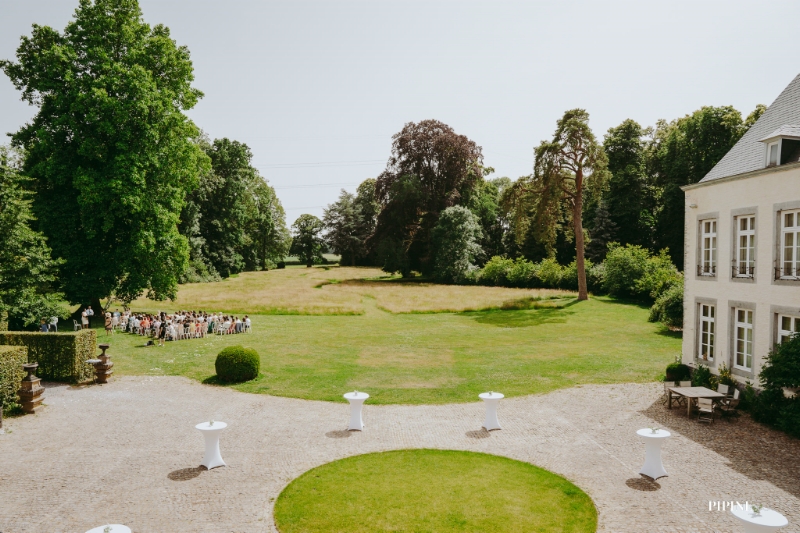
x: 317, y: 89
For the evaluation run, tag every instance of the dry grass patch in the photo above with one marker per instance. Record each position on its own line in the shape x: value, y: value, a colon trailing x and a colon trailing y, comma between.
x: 388, y: 356
x: 341, y: 291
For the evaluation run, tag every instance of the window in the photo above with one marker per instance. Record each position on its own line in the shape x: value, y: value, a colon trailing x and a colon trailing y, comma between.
x: 790, y: 245
x: 706, y: 351
x: 745, y: 247
x: 744, y: 339
x: 787, y: 326
x: 772, y: 154
x: 708, y: 265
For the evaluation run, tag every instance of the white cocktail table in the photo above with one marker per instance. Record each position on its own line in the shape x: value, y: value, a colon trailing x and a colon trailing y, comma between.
x: 212, y: 458
x: 653, y: 467
x: 113, y: 528
x: 766, y: 520
x: 356, y: 400
x: 491, y: 399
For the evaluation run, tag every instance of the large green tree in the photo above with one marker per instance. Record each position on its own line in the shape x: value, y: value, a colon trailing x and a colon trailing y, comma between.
x: 307, y: 240
x: 342, y: 220
x: 431, y: 168
x: 629, y: 198
x: 564, y: 167
x: 456, y: 236
x: 683, y: 152
x: 110, y: 151
x: 27, y: 271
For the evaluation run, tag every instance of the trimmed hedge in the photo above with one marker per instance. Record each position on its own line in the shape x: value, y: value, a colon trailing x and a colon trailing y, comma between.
x: 236, y: 363
x: 11, y: 360
x: 61, y: 356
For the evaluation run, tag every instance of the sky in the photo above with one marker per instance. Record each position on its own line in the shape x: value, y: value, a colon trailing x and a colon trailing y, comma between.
x: 317, y: 89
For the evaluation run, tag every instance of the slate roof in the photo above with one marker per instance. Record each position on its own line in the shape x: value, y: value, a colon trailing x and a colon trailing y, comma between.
x: 789, y: 130
x: 748, y: 154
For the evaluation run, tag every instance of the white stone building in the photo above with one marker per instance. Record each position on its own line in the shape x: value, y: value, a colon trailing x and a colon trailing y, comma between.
x: 742, y: 251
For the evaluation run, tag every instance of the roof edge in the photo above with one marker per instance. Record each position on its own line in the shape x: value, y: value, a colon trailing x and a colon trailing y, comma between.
x: 742, y: 176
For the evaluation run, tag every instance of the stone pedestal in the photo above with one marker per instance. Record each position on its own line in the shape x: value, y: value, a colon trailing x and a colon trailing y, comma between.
x: 30, y: 392
x: 102, y: 369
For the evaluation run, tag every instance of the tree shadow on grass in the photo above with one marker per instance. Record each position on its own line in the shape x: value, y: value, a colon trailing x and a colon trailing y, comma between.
x: 521, y: 319
x: 752, y: 449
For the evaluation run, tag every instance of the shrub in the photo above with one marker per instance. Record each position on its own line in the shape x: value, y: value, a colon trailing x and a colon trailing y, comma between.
x: 678, y: 372
x: 495, y: 271
x: 522, y: 273
x: 61, y: 356
x: 235, y: 364
x: 668, y: 308
x: 11, y: 360
x: 658, y: 276
x: 550, y: 274
x: 595, y: 278
x: 701, y: 377
x: 781, y: 369
x: 625, y: 266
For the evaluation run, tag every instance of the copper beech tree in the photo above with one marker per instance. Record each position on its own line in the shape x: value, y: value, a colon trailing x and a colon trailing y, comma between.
x: 564, y: 169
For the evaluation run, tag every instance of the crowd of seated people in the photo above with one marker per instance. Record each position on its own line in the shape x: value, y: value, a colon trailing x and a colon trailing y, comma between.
x: 162, y: 327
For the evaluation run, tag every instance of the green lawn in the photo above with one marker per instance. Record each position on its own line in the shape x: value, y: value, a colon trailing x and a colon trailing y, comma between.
x: 425, y: 358
x: 433, y: 490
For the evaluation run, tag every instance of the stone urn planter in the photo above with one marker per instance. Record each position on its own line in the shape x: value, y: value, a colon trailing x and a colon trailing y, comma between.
x: 102, y: 365
x: 30, y: 392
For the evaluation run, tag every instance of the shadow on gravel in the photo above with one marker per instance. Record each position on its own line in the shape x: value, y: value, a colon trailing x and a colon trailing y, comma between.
x: 339, y: 434
x: 643, y: 484
x: 478, y: 434
x: 754, y: 450
x: 185, y: 474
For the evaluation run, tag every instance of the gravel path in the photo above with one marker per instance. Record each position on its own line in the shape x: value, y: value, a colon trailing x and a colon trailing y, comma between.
x: 127, y: 452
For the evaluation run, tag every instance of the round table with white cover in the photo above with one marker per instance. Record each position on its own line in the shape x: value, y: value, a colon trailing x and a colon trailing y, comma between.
x: 356, y: 400
x: 765, y: 521
x: 491, y: 399
x: 111, y: 528
x: 211, y: 431
x: 653, y: 467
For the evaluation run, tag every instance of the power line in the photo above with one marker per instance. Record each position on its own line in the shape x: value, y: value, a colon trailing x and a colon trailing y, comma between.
x: 364, y: 162
x: 317, y: 185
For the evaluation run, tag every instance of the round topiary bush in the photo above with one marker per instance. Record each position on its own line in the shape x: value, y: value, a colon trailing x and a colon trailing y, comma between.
x: 237, y: 363
x: 678, y: 372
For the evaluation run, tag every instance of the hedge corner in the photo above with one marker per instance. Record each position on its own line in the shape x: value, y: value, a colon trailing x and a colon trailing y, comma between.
x: 11, y: 360
x: 61, y: 356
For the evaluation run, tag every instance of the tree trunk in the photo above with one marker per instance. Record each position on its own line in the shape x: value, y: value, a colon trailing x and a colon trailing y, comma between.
x: 577, y: 221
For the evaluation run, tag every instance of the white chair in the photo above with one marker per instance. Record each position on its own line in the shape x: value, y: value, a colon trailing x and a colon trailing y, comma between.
x: 705, y: 410
x: 722, y: 389
x: 77, y: 326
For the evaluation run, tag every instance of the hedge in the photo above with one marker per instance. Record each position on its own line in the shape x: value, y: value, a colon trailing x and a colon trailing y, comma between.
x: 11, y: 360
x: 61, y: 356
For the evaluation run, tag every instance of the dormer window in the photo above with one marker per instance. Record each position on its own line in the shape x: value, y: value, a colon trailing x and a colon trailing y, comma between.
x: 772, y: 154
x: 782, y: 146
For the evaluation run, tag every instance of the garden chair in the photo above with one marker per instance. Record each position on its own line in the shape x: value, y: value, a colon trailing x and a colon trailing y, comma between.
x: 681, y: 400
x: 667, y: 392
x: 705, y: 410
x: 728, y: 406
x: 77, y: 326
x: 723, y: 389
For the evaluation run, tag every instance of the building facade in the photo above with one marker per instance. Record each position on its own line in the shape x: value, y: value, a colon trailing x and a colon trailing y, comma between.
x: 742, y: 247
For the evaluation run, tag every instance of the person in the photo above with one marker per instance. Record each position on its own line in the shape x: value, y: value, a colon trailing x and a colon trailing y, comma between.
x: 238, y: 328
x: 108, y: 323
x: 89, y: 315
x: 247, y: 323
x: 54, y: 324
x: 43, y: 326
x: 84, y: 319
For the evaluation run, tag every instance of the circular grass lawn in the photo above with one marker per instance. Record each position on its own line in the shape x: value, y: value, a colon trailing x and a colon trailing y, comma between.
x: 433, y: 490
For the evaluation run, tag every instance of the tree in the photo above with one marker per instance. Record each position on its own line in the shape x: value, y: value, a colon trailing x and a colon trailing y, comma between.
x: 603, y: 233
x: 564, y: 167
x: 683, y: 152
x: 366, y: 202
x: 27, y: 272
x: 431, y: 168
x: 109, y: 152
x: 307, y: 242
x: 342, y: 223
x: 267, y: 237
x: 456, y: 237
x: 630, y: 198
x: 484, y: 202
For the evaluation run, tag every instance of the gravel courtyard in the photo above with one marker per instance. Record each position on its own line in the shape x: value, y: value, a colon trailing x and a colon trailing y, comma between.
x: 127, y: 452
